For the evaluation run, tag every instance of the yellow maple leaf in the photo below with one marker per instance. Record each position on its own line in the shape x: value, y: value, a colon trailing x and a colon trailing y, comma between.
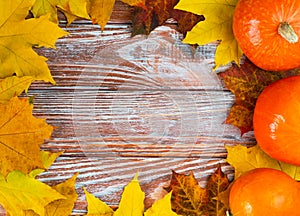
x: 96, y: 207
x: 19, y: 192
x: 48, y: 159
x: 161, y: 207
x: 132, y: 201
x: 217, y: 26
x: 101, y: 10
x: 71, y: 8
x: 13, y: 86
x: 21, y: 135
x: 61, y: 207
x: 17, y: 37
x: 244, y: 159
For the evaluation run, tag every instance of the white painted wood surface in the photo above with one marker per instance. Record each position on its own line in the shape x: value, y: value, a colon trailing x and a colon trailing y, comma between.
x: 148, y: 104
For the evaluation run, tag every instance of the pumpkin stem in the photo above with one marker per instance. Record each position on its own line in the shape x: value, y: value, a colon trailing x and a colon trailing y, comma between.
x: 287, y: 32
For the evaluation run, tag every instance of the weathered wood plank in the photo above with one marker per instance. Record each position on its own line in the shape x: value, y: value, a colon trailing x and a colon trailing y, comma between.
x: 121, y: 105
x: 157, y: 61
x: 137, y: 123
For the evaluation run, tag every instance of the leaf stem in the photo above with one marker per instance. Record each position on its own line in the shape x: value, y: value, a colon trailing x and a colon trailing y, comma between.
x: 286, y: 31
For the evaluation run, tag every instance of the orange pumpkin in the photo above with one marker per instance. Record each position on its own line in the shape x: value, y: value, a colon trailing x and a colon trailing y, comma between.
x: 264, y: 192
x: 268, y: 32
x: 276, y: 120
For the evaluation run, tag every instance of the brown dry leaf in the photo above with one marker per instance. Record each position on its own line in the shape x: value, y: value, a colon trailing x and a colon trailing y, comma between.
x: 246, y: 83
x: 217, y: 183
x: 13, y: 86
x: 61, y: 207
x: 18, y: 36
x: 157, y: 12
x: 19, y: 192
x: 188, y: 198
x: 223, y: 197
x: 21, y: 135
x: 244, y: 159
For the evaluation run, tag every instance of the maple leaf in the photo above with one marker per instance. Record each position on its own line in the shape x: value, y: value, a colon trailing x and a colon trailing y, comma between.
x: 21, y: 135
x: 246, y: 83
x: 18, y: 192
x: 48, y: 159
x: 188, y: 198
x: 132, y: 201
x: 13, y: 86
x: 161, y: 207
x: 217, y: 183
x: 61, y: 206
x: 18, y: 36
x: 216, y: 27
x: 244, y: 159
x: 223, y: 197
x: 71, y: 8
x: 101, y: 10
x: 157, y: 12
x: 96, y: 206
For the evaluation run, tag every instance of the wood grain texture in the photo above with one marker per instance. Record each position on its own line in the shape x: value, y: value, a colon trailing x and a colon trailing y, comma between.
x: 121, y: 105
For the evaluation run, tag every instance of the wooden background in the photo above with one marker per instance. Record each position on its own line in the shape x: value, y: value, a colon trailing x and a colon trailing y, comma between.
x: 121, y: 105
